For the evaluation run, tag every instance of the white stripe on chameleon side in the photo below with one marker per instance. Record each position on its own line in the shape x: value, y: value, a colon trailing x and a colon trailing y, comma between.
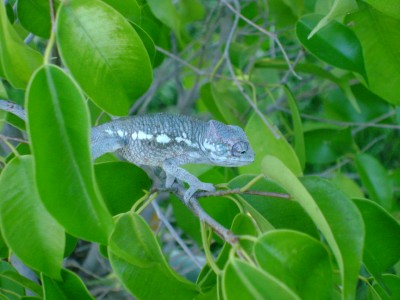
x: 163, y: 139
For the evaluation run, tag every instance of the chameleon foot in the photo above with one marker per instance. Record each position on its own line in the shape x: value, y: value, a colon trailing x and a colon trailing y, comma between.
x: 202, y: 186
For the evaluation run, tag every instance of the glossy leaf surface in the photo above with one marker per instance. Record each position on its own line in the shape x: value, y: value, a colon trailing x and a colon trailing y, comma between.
x: 332, y: 212
x: 244, y: 281
x: 29, y: 230
x: 138, y: 261
x: 64, y: 172
x: 120, y: 183
x: 111, y: 63
x: 298, y: 260
x: 34, y: 15
x: 382, y: 237
x: 375, y: 179
x: 273, y: 213
x: 269, y: 145
x: 130, y: 9
x: 69, y: 287
x: 380, y: 38
x: 334, y: 44
x: 339, y: 8
x: 298, y: 133
x: 389, y: 7
x: 17, y: 60
x: 167, y: 13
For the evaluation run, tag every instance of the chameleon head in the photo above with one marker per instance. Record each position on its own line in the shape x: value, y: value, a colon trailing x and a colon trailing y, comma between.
x: 226, y: 145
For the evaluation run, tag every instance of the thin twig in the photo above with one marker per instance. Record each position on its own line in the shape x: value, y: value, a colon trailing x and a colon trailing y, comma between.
x: 205, y: 194
x: 174, y: 234
x: 348, y: 160
x: 236, y: 81
x: 271, y: 35
x: 177, y: 58
x: 239, y: 191
x: 372, y: 123
x: 8, y: 138
x: 179, y: 191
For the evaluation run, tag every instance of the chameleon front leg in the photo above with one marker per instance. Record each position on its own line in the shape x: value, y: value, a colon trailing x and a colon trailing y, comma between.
x: 172, y: 169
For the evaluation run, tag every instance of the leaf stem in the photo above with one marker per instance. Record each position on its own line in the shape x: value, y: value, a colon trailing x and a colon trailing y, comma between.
x: 147, y: 198
x: 210, y: 259
x: 12, y: 148
x: 50, y: 44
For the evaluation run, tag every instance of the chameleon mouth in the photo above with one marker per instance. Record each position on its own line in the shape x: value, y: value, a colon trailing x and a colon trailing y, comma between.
x: 234, y: 161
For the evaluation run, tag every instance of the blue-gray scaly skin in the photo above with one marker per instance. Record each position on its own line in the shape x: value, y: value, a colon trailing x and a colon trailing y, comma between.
x: 168, y: 141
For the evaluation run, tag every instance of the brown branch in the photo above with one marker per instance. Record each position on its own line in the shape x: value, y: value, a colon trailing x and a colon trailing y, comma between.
x: 239, y: 191
x: 227, y: 235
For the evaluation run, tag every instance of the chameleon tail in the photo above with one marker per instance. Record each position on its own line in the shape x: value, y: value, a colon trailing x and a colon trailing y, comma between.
x: 102, y: 141
x: 13, y: 108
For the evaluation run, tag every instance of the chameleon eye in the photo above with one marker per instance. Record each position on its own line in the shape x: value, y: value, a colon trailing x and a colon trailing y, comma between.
x: 239, y: 148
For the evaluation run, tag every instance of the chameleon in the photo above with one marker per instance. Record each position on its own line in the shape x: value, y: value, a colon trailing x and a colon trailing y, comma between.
x: 168, y: 141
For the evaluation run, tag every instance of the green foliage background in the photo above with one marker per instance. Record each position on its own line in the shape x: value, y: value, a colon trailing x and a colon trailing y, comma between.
x: 314, y: 83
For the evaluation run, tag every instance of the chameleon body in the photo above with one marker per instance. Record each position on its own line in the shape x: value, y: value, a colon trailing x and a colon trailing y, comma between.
x: 168, y: 141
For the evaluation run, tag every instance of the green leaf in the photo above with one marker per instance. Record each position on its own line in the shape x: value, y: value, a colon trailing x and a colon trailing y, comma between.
x: 104, y: 54
x: 59, y: 131
x: 28, y: 229
x: 388, y: 7
x: 185, y: 220
x: 339, y: 8
x: 12, y: 289
x: 159, y: 33
x: 380, y: 38
x: 207, y: 279
x: 70, y: 287
x: 337, y: 107
x: 268, y: 144
x: 166, y: 12
x: 283, y: 13
x: 4, y: 251
x: 130, y: 9
x: 271, y: 212
x: 70, y: 244
x: 190, y: 10
x: 22, y: 281
x: 34, y: 16
x: 3, y: 91
x: 241, y: 280
x: 207, y: 99
x: 298, y: 260
x: 325, y: 143
x: 382, y: 237
x: 147, y: 42
x: 230, y: 102
x: 334, y: 214
x: 316, y: 70
x: 375, y: 179
x: 334, y: 44
x: 346, y: 225
x: 243, y: 225
x: 3, y: 120
x: 18, y: 61
x: 299, y: 146
x: 392, y: 284
x: 347, y: 186
x: 137, y: 260
x: 121, y: 184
